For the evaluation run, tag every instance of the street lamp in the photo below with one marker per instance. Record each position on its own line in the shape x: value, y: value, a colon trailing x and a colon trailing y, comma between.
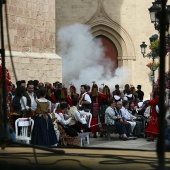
x: 153, y: 54
x: 155, y: 11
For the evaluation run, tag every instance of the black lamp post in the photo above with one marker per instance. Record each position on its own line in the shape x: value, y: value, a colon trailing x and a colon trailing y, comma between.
x: 160, y: 16
x: 155, y: 12
x: 153, y: 54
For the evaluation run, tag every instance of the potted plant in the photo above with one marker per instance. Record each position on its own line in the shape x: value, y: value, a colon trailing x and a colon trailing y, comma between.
x: 153, y: 66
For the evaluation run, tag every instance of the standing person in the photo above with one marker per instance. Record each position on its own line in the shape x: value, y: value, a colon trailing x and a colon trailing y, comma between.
x: 19, y: 103
x: 43, y: 131
x: 57, y: 91
x: 140, y: 93
x: 23, y: 83
x: 102, y: 105
x: 85, y: 100
x: 36, y: 89
x: 152, y: 128
x: 31, y: 99
x: 116, y: 91
x: 112, y: 119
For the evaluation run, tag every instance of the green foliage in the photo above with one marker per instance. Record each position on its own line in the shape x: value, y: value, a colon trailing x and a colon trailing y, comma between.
x: 154, y: 45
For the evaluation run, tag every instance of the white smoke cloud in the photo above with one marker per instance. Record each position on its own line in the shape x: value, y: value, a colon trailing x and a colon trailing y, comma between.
x: 84, y: 61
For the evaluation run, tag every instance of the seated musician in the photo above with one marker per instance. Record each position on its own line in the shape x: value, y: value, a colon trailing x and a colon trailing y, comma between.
x: 79, y: 118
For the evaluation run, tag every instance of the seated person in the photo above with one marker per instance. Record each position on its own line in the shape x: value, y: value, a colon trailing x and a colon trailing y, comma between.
x: 139, y: 119
x: 119, y: 112
x: 111, y: 119
x: 79, y: 118
x: 127, y: 117
x: 61, y: 125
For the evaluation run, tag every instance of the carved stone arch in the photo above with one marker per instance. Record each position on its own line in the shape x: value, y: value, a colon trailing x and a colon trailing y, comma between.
x: 102, y: 24
x: 113, y: 36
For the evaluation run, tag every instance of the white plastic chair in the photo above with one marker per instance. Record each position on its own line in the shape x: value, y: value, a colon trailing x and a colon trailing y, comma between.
x: 24, y: 123
x: 86, y: 135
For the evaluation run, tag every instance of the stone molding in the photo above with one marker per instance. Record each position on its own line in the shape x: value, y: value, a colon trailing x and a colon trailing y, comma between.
x: 102, y: 24
x: 45, y: 67
x: 32, y: 55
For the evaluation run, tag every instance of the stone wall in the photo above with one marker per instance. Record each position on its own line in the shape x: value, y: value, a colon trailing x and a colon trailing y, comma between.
x: 32, y: 40
x: 32, y: 25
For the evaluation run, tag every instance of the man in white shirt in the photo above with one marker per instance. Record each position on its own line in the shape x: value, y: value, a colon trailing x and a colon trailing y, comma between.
x: 127, y: 116
x: 79, y: 118
x: 85, y: 100
x: 31, y: 98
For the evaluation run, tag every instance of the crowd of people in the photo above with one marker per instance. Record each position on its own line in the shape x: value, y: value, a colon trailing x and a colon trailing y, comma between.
x: 60, y: 114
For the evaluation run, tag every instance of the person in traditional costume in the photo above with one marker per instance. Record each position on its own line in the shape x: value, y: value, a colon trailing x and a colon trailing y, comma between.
x: 106, y: 91
x: 31, y: 99
x: 129, y: 95
x: 85, y: 100
x: 94, y: 92
x: 116, y: 91
x: 72, y: 91
x: 140, y: 93
x: 57, y: 91
x: 49, y: 91
x: 133, y: 91
x: 61, y: 124
x: 69, y: 99
x: 117, y: 95
x: 36, y: 88
x: 102, y: 105
x: 43, y: 131
x: 152, y: 127
x: 94, y: 98
x: 64, y: 92
x: 79, y: 118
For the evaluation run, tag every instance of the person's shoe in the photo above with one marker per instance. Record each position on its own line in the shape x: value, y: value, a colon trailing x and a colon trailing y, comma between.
x: 125, y: 138
x: 94, y: 136
x: 101, y: 135
x: 150, y: 139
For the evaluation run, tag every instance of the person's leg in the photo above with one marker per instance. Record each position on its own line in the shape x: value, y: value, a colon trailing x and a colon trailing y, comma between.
x: 128, y: 128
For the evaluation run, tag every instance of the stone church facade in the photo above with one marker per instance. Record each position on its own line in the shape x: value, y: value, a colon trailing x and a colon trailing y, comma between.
x: 33, y: 25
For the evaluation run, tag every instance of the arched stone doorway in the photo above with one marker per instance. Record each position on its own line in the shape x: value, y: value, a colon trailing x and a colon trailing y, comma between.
x: 110, y: 50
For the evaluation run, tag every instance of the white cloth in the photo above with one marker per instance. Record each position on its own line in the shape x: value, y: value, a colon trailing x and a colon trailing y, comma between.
x: 116, y: 97
x: 60, y: 118
x: 87, y: 97
x: 23, y: 102
x: 78, y: 117
x: 126, y: 115
x: 140, y: 104
x: 33, y: 102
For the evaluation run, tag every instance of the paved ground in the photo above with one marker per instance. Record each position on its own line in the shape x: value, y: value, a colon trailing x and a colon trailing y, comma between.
x: 115, y: 142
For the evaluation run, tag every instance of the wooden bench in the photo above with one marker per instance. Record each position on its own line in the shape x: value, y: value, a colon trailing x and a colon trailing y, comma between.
x: 108, y: 130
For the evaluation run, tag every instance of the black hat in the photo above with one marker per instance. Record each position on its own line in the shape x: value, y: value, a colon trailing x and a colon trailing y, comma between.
x: 139, y: 86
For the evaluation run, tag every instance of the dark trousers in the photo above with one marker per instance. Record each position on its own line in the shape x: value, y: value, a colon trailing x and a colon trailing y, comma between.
x: 120, y: 128
x: 78, y: 126
x: 128, y: 128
